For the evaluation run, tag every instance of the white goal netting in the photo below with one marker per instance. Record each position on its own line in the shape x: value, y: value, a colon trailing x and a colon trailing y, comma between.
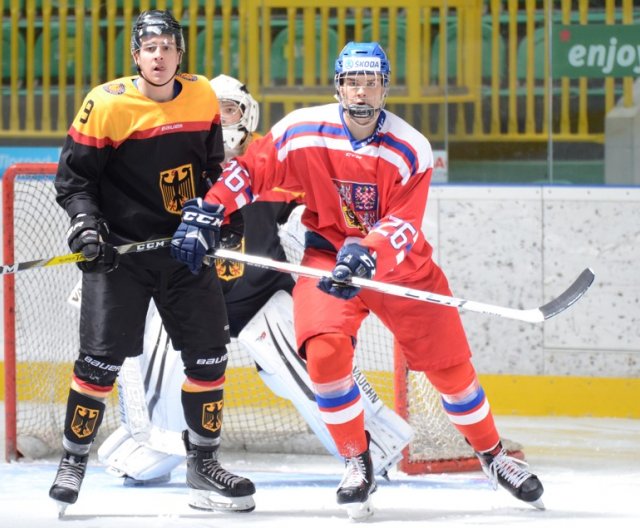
x: 46, y: 344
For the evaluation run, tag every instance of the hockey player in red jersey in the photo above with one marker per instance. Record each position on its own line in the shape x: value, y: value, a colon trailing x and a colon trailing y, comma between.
x: 365, y: 176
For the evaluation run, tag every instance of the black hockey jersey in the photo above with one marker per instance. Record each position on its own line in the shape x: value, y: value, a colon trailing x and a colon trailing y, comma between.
x: 247, y: 288
x: 135, y: 161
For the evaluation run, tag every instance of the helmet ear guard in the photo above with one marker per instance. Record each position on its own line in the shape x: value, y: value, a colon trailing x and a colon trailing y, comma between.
x: 229, y: 88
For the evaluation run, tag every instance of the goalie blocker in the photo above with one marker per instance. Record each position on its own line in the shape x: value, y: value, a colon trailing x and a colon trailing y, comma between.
x: 146, y: 451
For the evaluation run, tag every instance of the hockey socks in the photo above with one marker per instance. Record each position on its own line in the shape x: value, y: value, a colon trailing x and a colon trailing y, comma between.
x: 329, y: 363
x: 466, y: 404
x: 203, y: 402
x: 85, y: 411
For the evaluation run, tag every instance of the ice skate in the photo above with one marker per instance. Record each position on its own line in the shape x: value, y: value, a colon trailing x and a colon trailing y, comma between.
x: 358, y: 483
x: 512, y: 474
x: 66, y: 486
x: 213, y: 488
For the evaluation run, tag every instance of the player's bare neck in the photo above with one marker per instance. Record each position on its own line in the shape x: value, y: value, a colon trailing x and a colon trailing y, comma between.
x: 360, y: 130
x: 160, y: 94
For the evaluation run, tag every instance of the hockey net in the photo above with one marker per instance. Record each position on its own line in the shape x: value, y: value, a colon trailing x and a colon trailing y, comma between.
x: 41, y: 343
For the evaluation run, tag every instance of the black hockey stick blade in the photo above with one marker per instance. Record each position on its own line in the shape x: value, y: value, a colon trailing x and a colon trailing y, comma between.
x: 135, y: 247
x: 569, y: 296
x: 532, y: 315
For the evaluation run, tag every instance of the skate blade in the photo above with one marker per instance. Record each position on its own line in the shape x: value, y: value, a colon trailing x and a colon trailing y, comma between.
x: 206, y: 500
x: 359, y: 511
x: 537, y: 504
x: 62, y: 508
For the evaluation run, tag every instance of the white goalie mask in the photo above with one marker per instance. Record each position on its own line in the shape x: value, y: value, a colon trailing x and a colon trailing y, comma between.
x: 235, y: 134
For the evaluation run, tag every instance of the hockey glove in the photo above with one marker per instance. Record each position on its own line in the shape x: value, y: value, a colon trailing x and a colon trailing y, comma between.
x: 231, y: 234
x: 198, y: 233
x: 353, y: 260
x: 87, y: 235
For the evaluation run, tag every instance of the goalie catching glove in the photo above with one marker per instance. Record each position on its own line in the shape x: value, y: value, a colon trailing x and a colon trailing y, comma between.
x: 198, y: 233
x: 353, y: 260
x: 87, y: 234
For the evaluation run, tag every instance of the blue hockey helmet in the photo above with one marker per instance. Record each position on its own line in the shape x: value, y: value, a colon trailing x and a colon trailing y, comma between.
x: 362, y: 58
x: 366, y: 57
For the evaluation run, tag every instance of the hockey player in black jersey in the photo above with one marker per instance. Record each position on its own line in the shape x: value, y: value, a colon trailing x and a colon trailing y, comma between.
x: 140, y: 153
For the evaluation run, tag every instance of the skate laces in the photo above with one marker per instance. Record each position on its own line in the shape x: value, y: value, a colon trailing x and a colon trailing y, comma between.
x: 508, y: 468
x: 355, y: 473
x: 215, y: 471
x: 71, y: 472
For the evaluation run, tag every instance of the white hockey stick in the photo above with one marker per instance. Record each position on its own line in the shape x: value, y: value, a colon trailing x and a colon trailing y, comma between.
x: 532, y: 315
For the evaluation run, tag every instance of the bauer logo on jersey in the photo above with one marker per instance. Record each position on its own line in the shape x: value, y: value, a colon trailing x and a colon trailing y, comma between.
x: 84, y: 421
x: 177, y: 187
x: 357, y: 65
x: 212, y: 416
x: 360, y: 204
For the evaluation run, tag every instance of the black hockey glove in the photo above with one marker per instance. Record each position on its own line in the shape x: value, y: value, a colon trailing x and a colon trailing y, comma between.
x: 198, y: 233
x: 231, y: 234
x: 87, y: 235
x: 353, y: 260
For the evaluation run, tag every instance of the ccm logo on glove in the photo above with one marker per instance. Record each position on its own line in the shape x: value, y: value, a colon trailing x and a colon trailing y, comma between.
x: 201, y: 219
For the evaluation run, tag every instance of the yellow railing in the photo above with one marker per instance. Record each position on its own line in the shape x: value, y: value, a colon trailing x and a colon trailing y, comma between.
x: 468, y: 70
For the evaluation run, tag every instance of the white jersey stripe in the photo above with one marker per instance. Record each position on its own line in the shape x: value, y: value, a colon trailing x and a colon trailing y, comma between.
x: 471, y: 418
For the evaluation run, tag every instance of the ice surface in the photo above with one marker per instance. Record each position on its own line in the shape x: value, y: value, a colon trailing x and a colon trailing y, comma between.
x: 590, y: 469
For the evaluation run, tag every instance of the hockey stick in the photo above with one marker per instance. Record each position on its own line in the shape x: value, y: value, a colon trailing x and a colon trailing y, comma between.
x: 135, y: 247
x: 533, y: 315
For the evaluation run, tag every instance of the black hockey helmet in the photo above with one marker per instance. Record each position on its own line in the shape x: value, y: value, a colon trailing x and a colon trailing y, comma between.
x: 156, y: 22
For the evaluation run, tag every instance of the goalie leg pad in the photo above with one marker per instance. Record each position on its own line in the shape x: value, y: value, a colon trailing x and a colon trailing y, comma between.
x: 136, y: 462
x: 285, y: 374
x: 390, y: 433
x: 281, y: 369
x: 146, y: 450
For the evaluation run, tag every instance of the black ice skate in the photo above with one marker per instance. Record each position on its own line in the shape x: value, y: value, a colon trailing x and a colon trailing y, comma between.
x: 358, y: 483
x: 66, y: 486
x: 213, y: 488
x: 512, y: 475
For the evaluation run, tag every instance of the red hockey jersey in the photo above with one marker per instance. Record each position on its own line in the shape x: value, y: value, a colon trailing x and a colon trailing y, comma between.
x: 372, y: 191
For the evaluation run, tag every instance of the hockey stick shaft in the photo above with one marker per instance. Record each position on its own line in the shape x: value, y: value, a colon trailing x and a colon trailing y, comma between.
x: 533, y: 315
x: 135, y: 247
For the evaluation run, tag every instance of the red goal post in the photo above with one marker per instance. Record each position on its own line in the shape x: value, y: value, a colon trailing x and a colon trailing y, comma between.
x: 40, y: 345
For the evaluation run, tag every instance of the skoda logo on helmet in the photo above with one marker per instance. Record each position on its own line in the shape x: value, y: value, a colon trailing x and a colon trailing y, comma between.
x: 364, y: 64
